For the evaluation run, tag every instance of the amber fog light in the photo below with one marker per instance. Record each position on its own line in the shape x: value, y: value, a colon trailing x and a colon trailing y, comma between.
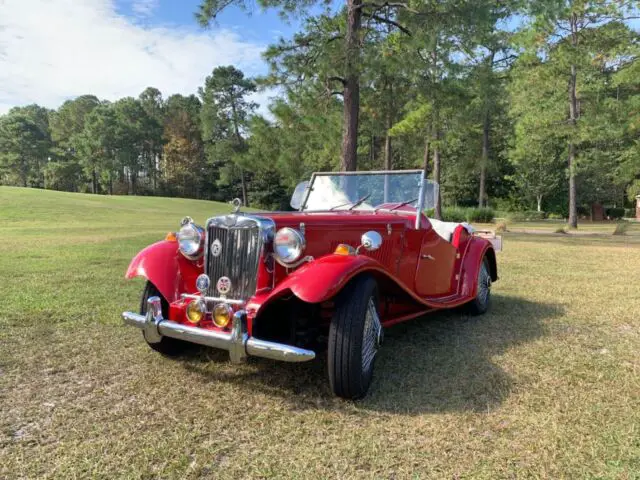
x: 221, y: 315
x: 196, y: 311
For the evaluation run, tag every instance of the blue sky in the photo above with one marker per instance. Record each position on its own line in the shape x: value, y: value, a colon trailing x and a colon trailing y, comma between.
x: 255, y: 24
x: 54, y: 50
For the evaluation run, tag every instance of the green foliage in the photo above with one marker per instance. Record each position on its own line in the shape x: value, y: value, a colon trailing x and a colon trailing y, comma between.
x: 614, y: 213
x: 25, y: 146
x: 454, y: 214
x: 63, y: 175
x: 480, y: 215
x: 633, y: 190
x: 471, y: 215
x: 526, y: 216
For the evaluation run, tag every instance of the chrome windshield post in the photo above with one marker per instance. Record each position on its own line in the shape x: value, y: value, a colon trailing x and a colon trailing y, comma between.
x: 420, y: 204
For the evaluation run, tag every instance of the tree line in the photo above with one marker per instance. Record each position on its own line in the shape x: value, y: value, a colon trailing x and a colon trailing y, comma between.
x: 516, y: 105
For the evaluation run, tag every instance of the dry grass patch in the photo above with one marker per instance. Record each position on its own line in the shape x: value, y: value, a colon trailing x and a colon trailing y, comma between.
x: 547, y: 385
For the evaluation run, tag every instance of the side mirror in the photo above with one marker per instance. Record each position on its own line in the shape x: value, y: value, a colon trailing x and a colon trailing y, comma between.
x: 371, y: 241
x: 298, y: 195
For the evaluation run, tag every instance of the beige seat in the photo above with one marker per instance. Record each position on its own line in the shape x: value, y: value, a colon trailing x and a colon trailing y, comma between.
x: 446, y: 229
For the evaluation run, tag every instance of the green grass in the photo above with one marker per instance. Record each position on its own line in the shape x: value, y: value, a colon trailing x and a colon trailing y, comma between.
x: 546, y: 385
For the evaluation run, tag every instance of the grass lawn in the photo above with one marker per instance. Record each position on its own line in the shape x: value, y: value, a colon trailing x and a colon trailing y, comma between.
x: 546, y: 385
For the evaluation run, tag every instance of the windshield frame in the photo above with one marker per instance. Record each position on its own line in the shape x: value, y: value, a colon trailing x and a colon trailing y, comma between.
x: 420, y: 200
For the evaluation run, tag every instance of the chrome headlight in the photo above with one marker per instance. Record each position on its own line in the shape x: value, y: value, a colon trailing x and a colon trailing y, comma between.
x: 288, y: 245
x: 191, y: 240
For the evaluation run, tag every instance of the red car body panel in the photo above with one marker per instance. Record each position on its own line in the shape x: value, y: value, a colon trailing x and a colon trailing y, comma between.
x: 417, y: 270
x: 163, y: 265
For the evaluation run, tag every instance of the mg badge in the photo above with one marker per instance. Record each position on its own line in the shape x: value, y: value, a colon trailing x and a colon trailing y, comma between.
x: 216, y: 248
x: 223, y: 285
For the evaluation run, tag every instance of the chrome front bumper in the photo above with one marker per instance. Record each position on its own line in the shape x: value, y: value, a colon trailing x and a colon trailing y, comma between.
x: 237, y: 342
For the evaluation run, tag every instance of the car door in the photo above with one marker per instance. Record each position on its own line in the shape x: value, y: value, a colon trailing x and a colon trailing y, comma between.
x: 435, y: 265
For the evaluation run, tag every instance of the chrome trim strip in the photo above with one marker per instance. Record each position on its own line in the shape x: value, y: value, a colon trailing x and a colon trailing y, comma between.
x: 212, y: 299
x: 237, y: 342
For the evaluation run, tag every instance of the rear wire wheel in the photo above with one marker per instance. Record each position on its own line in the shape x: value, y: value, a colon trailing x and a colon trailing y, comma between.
x: 480, y: 304
x: 170, y: 347
x: 355, y: 335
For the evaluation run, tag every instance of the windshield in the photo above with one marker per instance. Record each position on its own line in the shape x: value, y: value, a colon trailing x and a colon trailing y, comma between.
x: 367, y: 190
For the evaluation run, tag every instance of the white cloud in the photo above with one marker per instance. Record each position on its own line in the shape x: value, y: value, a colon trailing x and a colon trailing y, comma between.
x: 52, y: 50
x: 144, y: 8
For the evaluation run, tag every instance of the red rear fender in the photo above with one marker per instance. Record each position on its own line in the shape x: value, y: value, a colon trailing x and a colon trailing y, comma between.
x: 477, y: 250
x: 162, y: 264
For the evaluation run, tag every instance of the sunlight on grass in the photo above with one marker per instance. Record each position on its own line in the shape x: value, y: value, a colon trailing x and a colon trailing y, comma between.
x: 545, y: 385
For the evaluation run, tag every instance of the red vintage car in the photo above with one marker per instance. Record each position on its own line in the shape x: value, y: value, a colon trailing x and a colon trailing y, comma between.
x: 358, y: 255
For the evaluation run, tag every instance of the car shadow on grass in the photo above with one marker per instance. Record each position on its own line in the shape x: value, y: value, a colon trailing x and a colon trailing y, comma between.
x: 438, y: 363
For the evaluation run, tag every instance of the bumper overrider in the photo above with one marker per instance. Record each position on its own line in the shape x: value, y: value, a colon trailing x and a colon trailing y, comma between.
x: 237, y: 342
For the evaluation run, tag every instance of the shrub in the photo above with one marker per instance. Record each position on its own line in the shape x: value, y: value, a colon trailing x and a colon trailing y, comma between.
x: 526, y: 216
x: 621, y: 228
x: 614, y: 213
x: 501, y: 227
x: 560, y: 230
x: 458, y: 214
x: 630, y: 213
x: 480, y: 215
x: 555, y: 216
x: 454, y: 214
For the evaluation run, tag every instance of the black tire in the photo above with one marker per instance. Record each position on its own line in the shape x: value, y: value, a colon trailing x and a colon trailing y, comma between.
x: 167, y: 346
x: 353, y: 329
x: 480, y: 304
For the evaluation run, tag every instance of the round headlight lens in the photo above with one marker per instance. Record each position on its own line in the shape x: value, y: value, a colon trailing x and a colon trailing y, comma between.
x: 221, y: 315
x: 288, y: 245
x: 196, y: 311
x: 190, y: 240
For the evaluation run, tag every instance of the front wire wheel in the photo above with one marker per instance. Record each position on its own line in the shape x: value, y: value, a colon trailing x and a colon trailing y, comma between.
x: 355, y: 336
x: 372, y: 336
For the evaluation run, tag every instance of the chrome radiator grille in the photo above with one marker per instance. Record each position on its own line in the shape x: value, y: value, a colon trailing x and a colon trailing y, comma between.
x: 241, y: 247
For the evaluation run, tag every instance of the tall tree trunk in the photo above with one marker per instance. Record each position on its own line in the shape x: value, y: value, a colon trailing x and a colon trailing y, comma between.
x: 425, y: 157
x: 436, y: 175
x: 94, y: 181
x: 486, y: 125
x: 387, y: 143
x: 573, y: 117
x: 435, y: 128
x: 244, y: 187
x: 240, y: 141
x: 486, y: 129
x: 133, y: 183
x: 539, y: 200
x: 351, y: 95
x: 388, y: 125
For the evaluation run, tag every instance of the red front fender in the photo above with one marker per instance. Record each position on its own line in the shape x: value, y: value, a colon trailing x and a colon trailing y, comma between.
x: 162, y: 264
x: 323, y: 278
